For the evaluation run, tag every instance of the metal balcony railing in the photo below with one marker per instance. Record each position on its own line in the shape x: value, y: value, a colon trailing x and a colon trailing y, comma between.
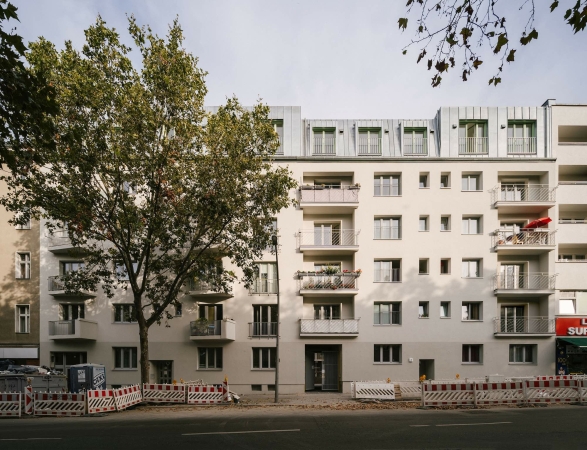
x: 521, y: 146
x: 415, y: 145
x: 264, y: 286
x: 325, y: 238
x: 572, y: 220
x: 390, y: 275
x: 61, y: 327
x: 369, y: 145
x: 524, y: 325
x: 394, y: 232
x: 262, y: 329
x: 329, y: 326
x: 524, y: 281
x: 328, y: 282
x: 58, y: 238
x: 201, y: 286
x: 319, y: 194
x: 511, y: 237
x: 473, y: 146
x: 55, y: 284
x: 523, y: 193
x: 205, y: 328
x: 324, y: 146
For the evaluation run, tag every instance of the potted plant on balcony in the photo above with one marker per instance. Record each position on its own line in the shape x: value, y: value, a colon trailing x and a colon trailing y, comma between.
x: 202, y: 326
x: 355, y: 186
x: 306, y: 187
x: 331, y: 270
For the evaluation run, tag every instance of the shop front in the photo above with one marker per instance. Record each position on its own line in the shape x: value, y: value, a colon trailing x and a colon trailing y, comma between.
x: 571, y: 345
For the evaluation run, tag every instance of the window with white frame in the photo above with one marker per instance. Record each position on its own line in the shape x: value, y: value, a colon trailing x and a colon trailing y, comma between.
x: 471, y: 268
x: 471, y: 182
x: 121, y: 272
x: 472, y: 353
x: 72, y: 311
x: 472, y: 311
x: 264, y: 357
x: 265, y: 281
x: 387, y: 354
x: 387, y: 185
x: 387, y: 227
x: 210, y: 358
x: 387, y: 313
x: 324, y: 141
x: 369, y: 141
x: 445, y: 310
x: 125, y: 313
x: 388, y: 271
x: 23, y: 224
x: 423, y: 310
x: 415, y: 141
x: 423, y: 223
x: 471, y: 225
x: 23, y: 318
x: 567, y: 303
x: 71, y: 266
x: 522, y: 353
x: 444, y: 223
x: 278, y: 128
x: 125, y: 357
x: 23, y: 265
x: 423, y: 180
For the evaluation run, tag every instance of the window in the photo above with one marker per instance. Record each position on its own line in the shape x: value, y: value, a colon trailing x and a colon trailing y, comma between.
x: 470, y: 183
x: 369, y: 141
x: 423, y: 183
x: 472, y: 353
x: 278, y: 128
x: 23, y: 265
x: 567, y: 306
x: 386, y: 271
x: 388, y: 228
x: 71, y: 266
x: 324, y: 141
x: 445, y: 266
x: 387, y: 353
x: 265, y: 281
x: 210, y: 358
x: 256, y: 387
x: 25, y: 224
x: 62, y: 360
x: 178, y: 310
x: 125, y: 357
x: 445, y: 180
x: 471, y: 225
x: 23, y: 318
x: 387, y: 313
x: 521, y: 353
x: 327, y: 312
x: 472, y: 137
x: 415, y: 142
x: 423, y: 223
x: 445, y: 310
x: 210, y: 312
x: 121, y: 272
x: 423, y: 310
x: 72, y: 311
x: 472, y: 310
x: 387, y: 185
x: 423, y: 266
x: 271, y: 387
x: 471, y: 268
x: 264, y: 357
x: 521, y: 137
x: 572, y: 134
x: 569, y: 257
x: 264, y: 320
x: 444, y: 223
x: 125, y: 313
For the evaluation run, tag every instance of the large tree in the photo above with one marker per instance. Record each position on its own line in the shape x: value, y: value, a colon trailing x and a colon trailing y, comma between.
x: 451, y: 32
x: 146, y: 182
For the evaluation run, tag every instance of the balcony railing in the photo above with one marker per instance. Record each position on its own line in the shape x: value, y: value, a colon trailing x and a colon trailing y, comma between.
x: 521, y: 146
x: 333, y: 282
x: 368, y: 145
x: 55, y: 284
x: 415, y: 146
x: 61, y: 327
x: 201, y: 286
x: 58, y: 238
x: 319, y: 194
x: 524, y: 281
x: 205, y: 328
x: 262, y: 329
x: 569, y: 221
x: 523, y: 325
x: 323, y: 238
x: 534, y: 238
x: 329, y: 326
x: 264, y: 286
x: 390, y: 275
x: 523, y: 193
x: 473, y: 146
x: 324, y: 146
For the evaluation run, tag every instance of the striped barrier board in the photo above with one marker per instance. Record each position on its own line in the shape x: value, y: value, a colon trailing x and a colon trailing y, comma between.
x: 410, y: 389
x: 381, y: 391
x: 205, y: 395
x: 554, y: 377
x: 28, y: 400
x: 10, y: 404
x: 164, y: 393
x: 127, y: 396
x: 54, y: 404
x: 101, y: 401
x: 499, y: 393
x: 225, y: 391
x: 447, y: 394
x: 552, y: 391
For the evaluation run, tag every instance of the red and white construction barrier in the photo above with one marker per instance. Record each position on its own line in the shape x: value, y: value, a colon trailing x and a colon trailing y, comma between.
x: 28, y: 400
x: 205, y: 395
x: 375, y: 390
x: 10, y: 405
x: 554, y: 377
x: 53, y: 404
x: 552, y: 391
x: 499, y: 393
x: 101, y: 401
x: 447, y: 394
x: 225, y: 391
x: 164, y: 393
x: 127, y: 396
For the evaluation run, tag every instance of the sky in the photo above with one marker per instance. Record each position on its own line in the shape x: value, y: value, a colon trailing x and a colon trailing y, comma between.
x: 336, y: 59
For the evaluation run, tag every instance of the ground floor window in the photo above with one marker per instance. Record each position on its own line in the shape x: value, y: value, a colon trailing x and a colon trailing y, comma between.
x: 210, y: 358
x: 125, y: 357
x: 472, y: 353
x: 63, y: 360
x: 264, y: 357
x: 522, y: 353
x: 387, y: 353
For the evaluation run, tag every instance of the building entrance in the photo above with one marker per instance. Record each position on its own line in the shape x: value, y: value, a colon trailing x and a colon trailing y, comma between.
x: 323, y: 368
x: 427, y: 368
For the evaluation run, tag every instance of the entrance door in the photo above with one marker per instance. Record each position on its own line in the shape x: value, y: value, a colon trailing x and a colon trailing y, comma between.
x: 71, y: 311
x: 326, y: 312
x: 512, y: 319
x: 326, y: 234
x: 309, y: 372
x: 426, y: 367
x: 512, y: 276
x: 164, y: 372
x: 514, y: 192
x: 330, y: 371
x: 323, y: 366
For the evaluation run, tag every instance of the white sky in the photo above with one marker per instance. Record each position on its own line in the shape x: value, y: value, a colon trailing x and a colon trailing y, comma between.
x: 336, y: 59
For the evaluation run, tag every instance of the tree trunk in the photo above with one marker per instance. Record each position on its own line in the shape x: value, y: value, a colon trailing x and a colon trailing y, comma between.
x: 143, y: 342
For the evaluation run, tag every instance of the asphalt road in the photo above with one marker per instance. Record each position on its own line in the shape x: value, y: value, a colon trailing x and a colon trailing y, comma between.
x: 559, y: 427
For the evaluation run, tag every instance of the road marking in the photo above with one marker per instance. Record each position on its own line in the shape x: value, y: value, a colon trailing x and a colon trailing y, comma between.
x: 33, y: 439
x: 469, y: 424
x: 240, y: 432
x: 419, y: 425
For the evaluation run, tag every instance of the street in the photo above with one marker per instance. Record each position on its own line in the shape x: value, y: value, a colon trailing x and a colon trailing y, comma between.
x: 554, y: 427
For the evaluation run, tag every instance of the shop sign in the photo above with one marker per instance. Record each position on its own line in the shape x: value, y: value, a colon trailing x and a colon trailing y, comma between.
x: 571, y: 326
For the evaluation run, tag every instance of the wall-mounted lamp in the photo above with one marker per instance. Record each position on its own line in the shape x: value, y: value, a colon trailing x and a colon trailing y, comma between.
x: 386, y: 131
x: 502, y: 126
x: 341, y: 131
x: 431, y: 131
x: 454, y: 126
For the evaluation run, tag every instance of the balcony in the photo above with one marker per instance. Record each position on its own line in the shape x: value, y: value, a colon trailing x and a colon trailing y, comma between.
x: 522, y: 146
x: 520, y: 198
x: 369, y: 146
x: 328, y: 242
x: 217, y: 330
x: 78, y: 329
x: 329, y: 327
x: 206, y: 291
x: 324, y: 146
x: 262, y: 329
x: 523, y: 284
x: 60, y: 244
x: 56, y: 288
x: 572, y: 193
x: 508, y: 242
x: 328, y: 285
x: 572, y: 232
x: 333, y: 200
x: 264, y: 286
x: 415, y: 146
x: 473, y: 146
x: 523, y: 326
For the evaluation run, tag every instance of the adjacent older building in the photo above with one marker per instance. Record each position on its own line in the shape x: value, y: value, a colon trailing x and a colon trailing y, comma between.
x: 431, y: 247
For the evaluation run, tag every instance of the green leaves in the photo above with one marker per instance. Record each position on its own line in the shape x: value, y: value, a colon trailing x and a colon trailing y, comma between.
x: 501, y: 41
x: 554, y: 5
x: 510, y: 57
x: 526, y: 38
x: 402, y: 23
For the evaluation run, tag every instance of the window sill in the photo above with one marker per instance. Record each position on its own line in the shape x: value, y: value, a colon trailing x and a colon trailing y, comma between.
x: 386, y: 196
x: 445, y: 231
x: 447, y: 317
x: 387, y: 239
x: 387, y: 363
x: 472, y: 278
x: 471, y: 191
x: 424, y: 187
x: 472, y: 363
x: 448, y: 187
x: 262, y: 370
x: 423, y: 231
x: 210, y: 370
x: 22, y: 332
x: 120, y: 369
x: 387, y: 282
x: 423, y: 274
x: 474, y: 320
x: 387, y: 324
x: 125, y: 323
x: 424, y: 318
x: 521, y: 364
x: 445, y: 273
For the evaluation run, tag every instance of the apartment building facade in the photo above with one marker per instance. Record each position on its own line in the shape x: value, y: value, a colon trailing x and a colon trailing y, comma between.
x: 413, y: 250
